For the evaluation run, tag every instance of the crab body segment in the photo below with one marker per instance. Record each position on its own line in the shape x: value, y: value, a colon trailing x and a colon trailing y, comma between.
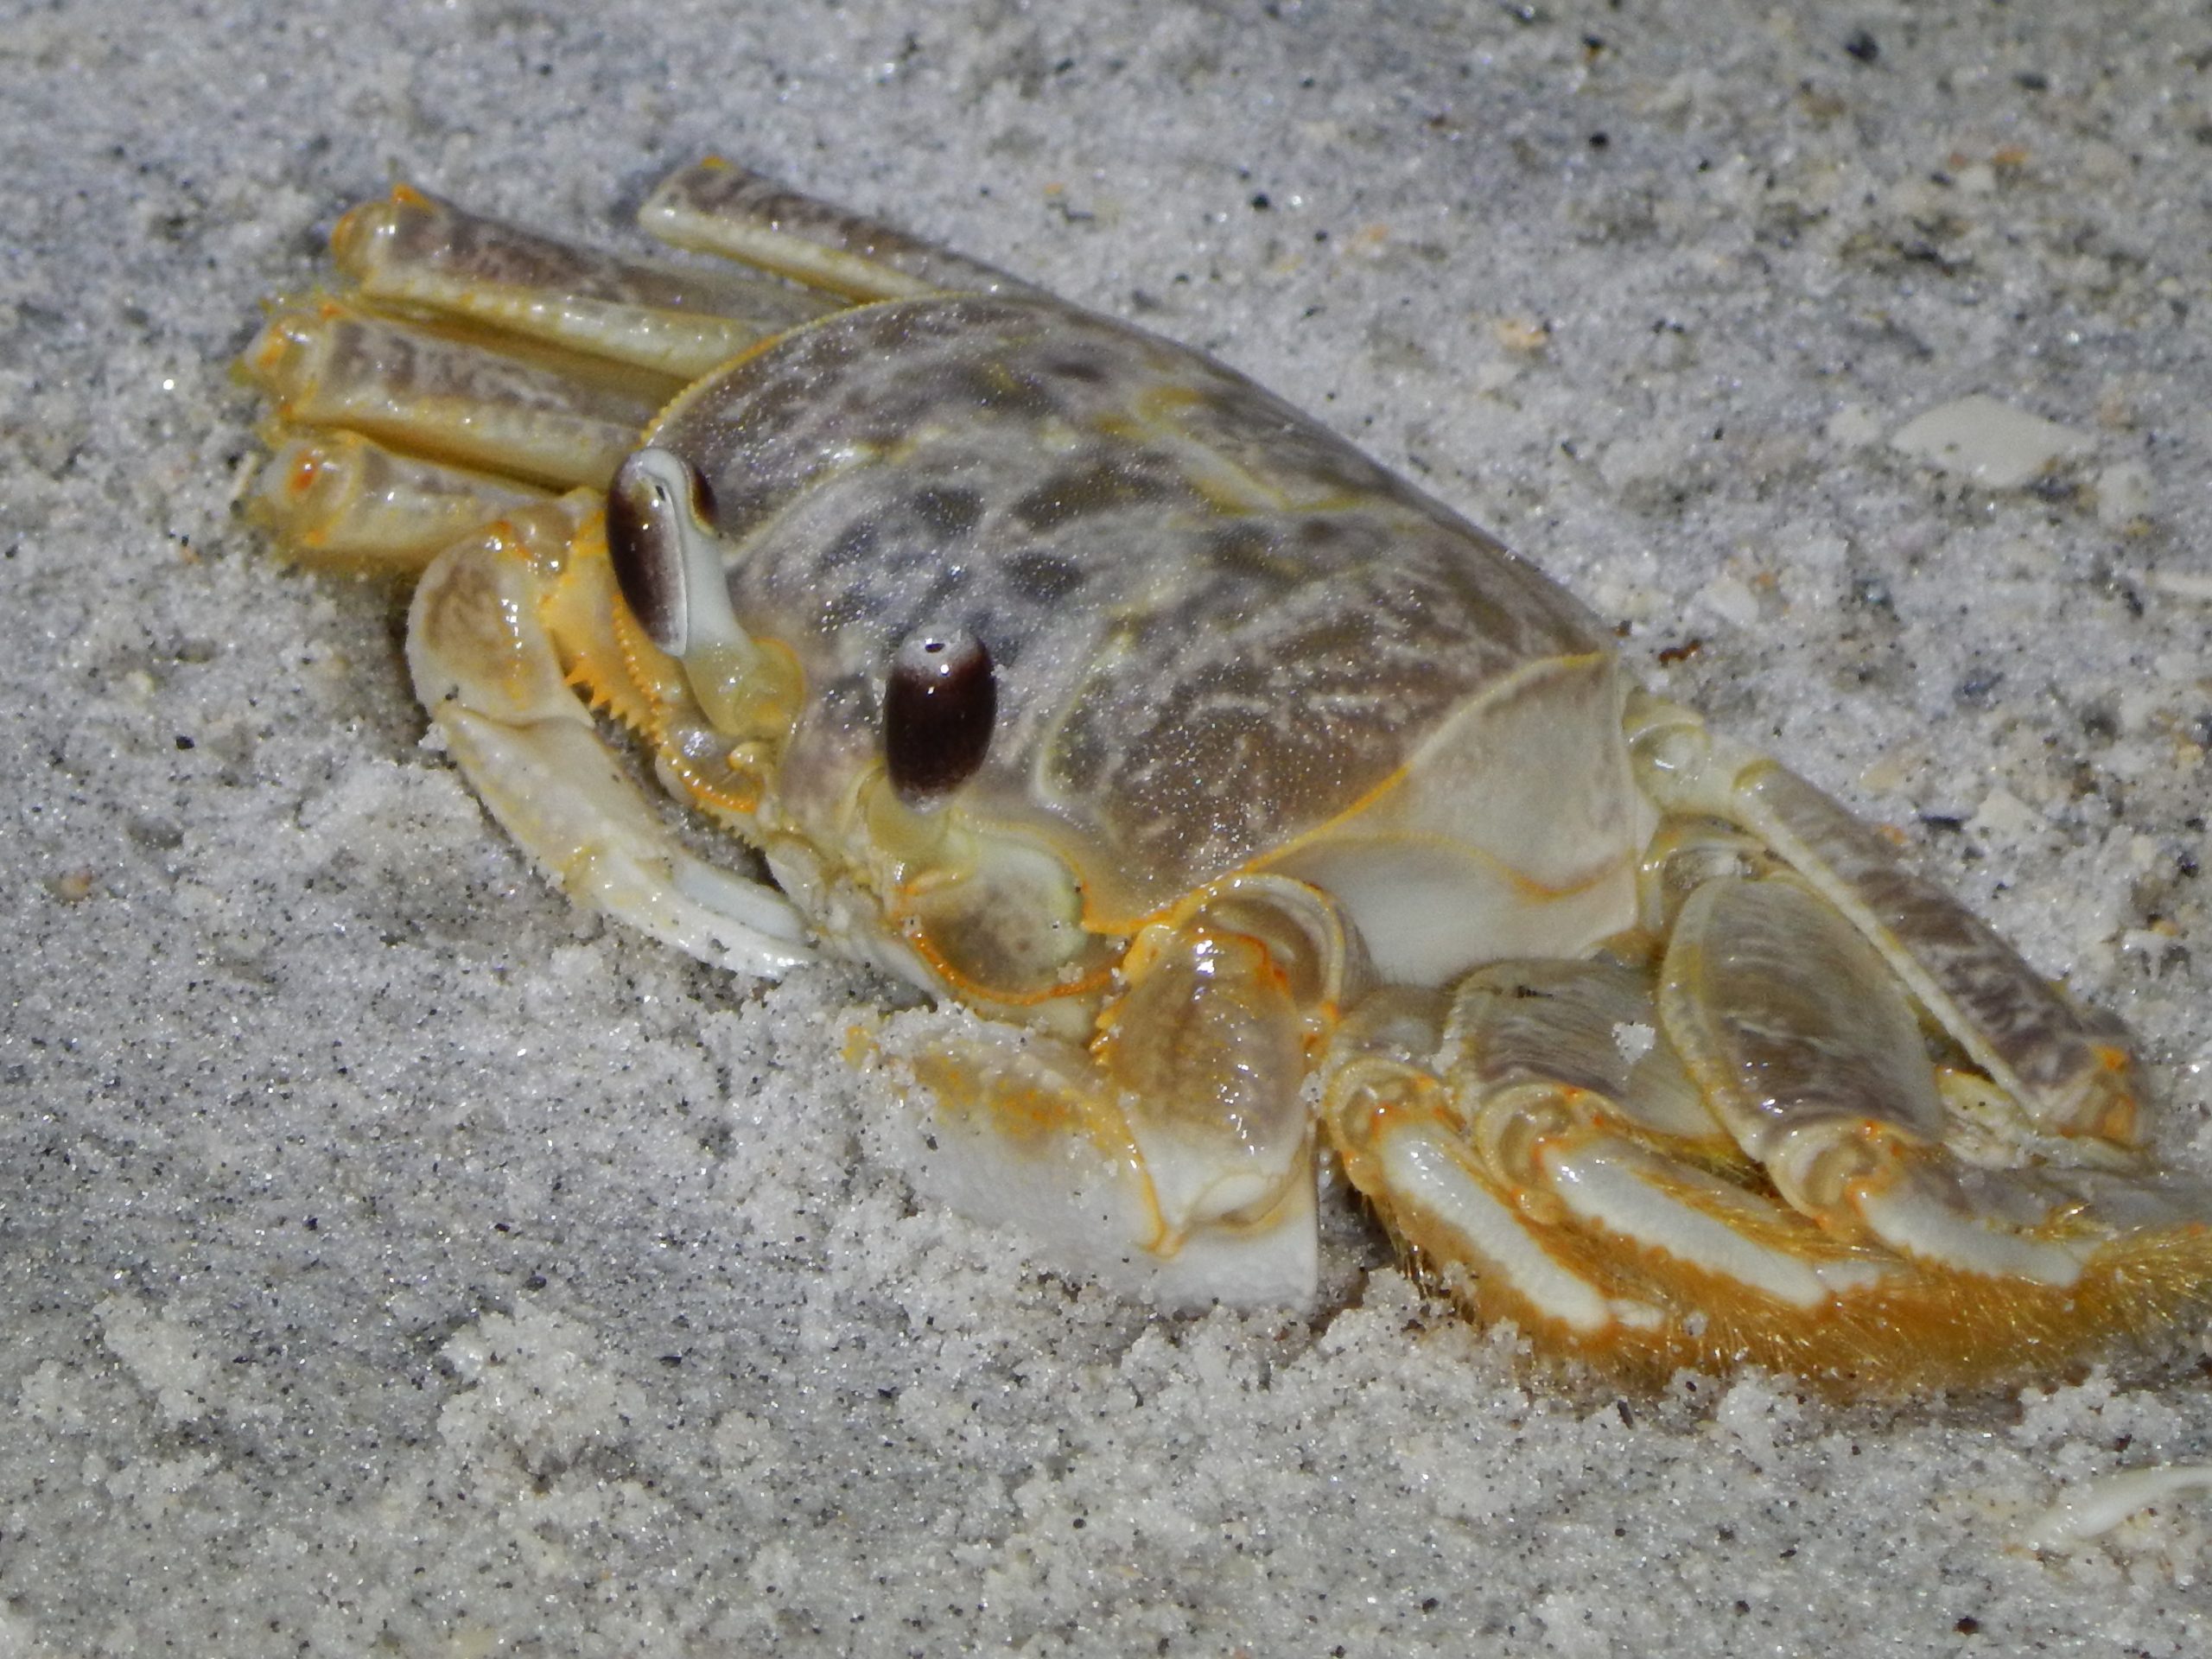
x: 1239, y: 804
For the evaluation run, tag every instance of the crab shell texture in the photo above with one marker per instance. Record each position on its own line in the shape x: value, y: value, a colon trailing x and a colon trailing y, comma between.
x: 1241, y: 812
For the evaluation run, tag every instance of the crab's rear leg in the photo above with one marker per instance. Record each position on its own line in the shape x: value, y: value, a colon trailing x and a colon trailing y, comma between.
x: 1896, y: 1067
x: 2067, y: 1070
x: 1535, y: 1138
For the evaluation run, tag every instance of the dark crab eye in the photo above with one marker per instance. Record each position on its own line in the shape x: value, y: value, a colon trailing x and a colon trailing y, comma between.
x: 655, y: 492
x: 939, y: 705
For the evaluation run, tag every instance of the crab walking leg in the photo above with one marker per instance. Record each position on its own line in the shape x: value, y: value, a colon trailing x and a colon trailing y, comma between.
x: 338, y: 501
x: 714, y: 208
x: 488, y: 671
x: 413, y: 253
x: 1508, y: 1132
x: 1794, y: 1029
x: 454, y: 401
x: 1403, y: 1140
x: 1472, y: 1195
x: 1569, y: 1088
x: 2064, y: 1071
x: 1533, y: 1136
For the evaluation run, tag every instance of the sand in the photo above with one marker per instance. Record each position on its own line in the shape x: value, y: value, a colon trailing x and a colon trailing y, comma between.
x: 398, y: 1260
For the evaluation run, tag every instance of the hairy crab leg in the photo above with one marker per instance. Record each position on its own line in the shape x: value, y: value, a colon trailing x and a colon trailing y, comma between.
x: 1403, y: 1138
x: 1507, y: 1136
x: 1533, y: 1136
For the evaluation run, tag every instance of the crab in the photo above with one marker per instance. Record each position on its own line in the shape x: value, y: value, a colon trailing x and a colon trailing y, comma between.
x: 1244, y: 814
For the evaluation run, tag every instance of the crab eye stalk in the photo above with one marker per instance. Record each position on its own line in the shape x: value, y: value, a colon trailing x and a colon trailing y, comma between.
x: 660, y: 522
x: 939, y: 705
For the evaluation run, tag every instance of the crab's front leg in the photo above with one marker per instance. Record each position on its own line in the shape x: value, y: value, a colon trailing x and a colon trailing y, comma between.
x: 1180, y: 1141
x: 423, y: 418
x: 498, y: 623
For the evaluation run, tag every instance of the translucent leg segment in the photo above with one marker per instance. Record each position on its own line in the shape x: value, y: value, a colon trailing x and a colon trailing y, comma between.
x: 1797, y: 1035
x: 1028, y: 1131
x: 338, y: 501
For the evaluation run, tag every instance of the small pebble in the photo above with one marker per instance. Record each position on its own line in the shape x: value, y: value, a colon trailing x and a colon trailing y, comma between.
x: 1990, y: 442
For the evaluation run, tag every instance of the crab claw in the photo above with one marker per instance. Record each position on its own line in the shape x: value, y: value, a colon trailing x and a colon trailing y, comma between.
x: 1179, y: 1146
x: 1028, y: 1131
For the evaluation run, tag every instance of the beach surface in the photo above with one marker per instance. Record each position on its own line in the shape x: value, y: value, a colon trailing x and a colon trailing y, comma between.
x: 394, y: 1259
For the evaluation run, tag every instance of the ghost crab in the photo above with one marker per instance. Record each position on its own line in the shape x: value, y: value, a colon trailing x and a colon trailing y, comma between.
x: 1243, y: 804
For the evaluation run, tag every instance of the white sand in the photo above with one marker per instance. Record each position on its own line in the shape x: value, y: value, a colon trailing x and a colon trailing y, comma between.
x: 398, y: 1262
